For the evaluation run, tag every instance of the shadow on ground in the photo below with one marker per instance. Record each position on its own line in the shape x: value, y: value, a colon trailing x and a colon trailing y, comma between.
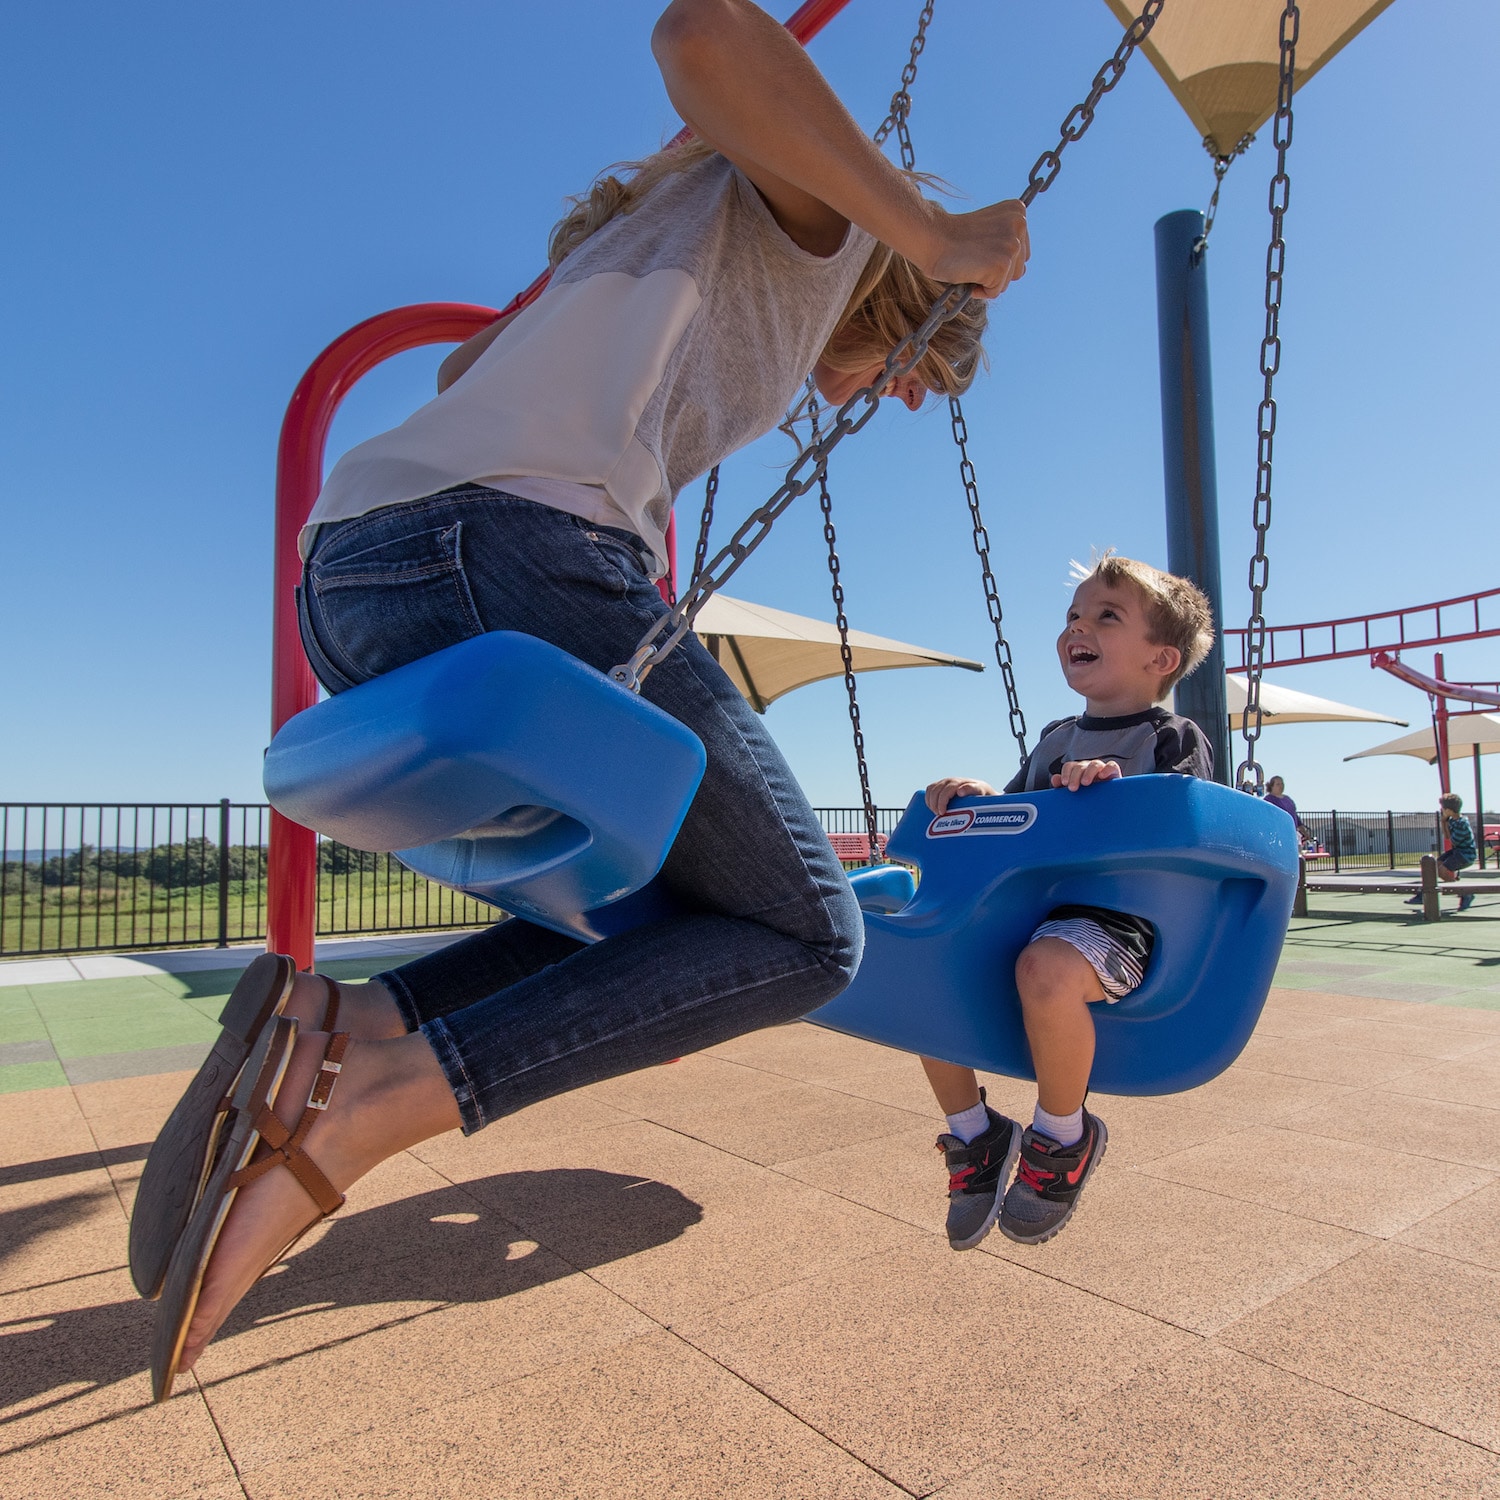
x: 441, y: 1247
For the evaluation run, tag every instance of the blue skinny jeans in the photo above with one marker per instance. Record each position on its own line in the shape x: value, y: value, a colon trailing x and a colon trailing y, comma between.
x: 518, y: 1013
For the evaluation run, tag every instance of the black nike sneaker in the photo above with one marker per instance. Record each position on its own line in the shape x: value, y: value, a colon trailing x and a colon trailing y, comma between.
x: 977, y: 1174
x: 1050, y: 1178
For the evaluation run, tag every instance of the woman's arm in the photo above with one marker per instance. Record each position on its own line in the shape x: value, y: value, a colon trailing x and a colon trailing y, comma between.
x: 743, y: 84
x: 462, y: 358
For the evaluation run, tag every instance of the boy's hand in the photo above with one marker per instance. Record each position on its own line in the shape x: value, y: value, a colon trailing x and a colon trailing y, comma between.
x: 1077, y: 773
x: 941, y: 793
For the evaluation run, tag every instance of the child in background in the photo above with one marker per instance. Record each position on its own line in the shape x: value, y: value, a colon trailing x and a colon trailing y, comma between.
x: 1132, y: 633
x: 1463, y: 851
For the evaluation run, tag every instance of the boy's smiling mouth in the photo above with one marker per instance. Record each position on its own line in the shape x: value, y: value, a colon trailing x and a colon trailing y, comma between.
x: 1079, y: 656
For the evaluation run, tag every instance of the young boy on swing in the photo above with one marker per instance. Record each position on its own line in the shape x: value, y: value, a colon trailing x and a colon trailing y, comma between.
x: 1132, y: 634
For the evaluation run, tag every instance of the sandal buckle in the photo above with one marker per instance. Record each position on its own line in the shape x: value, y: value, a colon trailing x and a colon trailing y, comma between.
x: 322, y: 1089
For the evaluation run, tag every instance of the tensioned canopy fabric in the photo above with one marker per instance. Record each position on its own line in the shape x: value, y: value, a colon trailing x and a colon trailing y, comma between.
x: 769, y: 652
x: 1221, y: 58
x: 1465, y: 731
x: 1284, y: 705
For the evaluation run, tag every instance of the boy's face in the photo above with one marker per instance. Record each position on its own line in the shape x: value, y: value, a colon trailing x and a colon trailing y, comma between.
x: 1106, y: 653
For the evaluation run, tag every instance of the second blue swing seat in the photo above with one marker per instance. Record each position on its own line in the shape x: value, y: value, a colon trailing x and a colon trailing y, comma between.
x: 1213, y: 870
x: 502, y: 767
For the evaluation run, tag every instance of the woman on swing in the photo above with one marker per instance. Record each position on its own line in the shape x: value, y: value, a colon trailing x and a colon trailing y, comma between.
x: 687, y: 304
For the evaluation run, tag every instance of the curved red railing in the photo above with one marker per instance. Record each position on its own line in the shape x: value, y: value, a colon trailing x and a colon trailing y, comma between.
x: 292, y: 859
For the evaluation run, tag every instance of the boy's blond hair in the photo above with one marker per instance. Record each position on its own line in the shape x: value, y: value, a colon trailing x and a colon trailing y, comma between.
x: 1451, y: 802
x: 1177, y: 610
x: 891, y: 298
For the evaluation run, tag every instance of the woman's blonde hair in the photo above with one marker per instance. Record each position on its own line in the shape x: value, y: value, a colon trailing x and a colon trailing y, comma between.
x: 891, y: 298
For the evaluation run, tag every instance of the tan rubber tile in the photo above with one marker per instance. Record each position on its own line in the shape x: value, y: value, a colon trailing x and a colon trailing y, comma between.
x: 40, y: 1125
x: 647, y: 1418
x: 345, y: 1376
x: 902, y: 1176
x: 1142, y: 1130
x: 1420, y: 1037
x: 1432, y: 1128
x: 1291, y: 1020
x: 58, y: 1227
x: 1413, y: 1332
x: 746, y: 1243
x: 802, y: 1051
x: 881, y: 1353
x: 1213, y: 1425
x: 75, y: 1403
x: 154, y: 1093
x: 1252, y: 1098
x: 1179, y: 1253
x: 1467, y: 1230
x: 1319, y: 1057
x: 759, y: 1116
x: 1318, y: 1004
x: 1314, y: 1177
x: 1474, y: 1079
x: 534, y: 1182
x: 692, y: 1083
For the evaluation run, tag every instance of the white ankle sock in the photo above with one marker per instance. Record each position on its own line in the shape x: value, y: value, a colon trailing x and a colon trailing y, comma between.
x: 1066, y: 1130
x: 971, y: 1123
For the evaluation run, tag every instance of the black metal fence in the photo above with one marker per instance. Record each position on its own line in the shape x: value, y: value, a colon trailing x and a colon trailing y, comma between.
x: 86, y: 877
x: 1341, y: 841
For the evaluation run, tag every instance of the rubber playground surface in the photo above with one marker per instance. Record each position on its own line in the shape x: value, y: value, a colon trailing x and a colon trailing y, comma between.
x: 728, y: 1277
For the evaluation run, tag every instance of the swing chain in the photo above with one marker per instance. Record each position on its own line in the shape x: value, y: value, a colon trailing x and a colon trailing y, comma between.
x: 667, y: 633
x: 700, y: 552
x: 825, y: 504
x: 901, y: 99
x: 1222, y: 162
x: 1049, y: 163
x: 1251, y: 775
x: 991, y: 592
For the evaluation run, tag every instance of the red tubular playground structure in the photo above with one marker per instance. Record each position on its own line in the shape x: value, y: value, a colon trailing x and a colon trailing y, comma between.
x: 292, y: 860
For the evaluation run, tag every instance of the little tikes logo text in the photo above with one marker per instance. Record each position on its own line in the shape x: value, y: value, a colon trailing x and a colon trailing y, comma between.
x: 1016, y: 818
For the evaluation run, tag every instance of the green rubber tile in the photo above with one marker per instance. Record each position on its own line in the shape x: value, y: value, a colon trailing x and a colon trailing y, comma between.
x: 20, y: 1021
x: 19, y: 1078
x: 101, y: 1016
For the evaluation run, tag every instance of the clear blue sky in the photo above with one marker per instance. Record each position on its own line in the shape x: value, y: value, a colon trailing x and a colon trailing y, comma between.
x: 199, y: 197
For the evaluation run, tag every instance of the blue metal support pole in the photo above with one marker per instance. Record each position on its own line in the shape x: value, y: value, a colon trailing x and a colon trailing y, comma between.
x: 1187, y: 436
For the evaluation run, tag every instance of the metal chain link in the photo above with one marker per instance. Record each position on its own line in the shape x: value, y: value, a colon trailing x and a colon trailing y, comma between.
x: 1250, y: 775
x: 1081, y: 116
x: 1222, y: 163
x: 667, y: 633
x: 700, y: 552
x: 991, y: 593
x: 825, y: 504
x: 901, y: 99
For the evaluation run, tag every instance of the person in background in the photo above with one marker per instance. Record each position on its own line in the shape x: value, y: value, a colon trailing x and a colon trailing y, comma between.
x: 1277, y: 797
x: 1461, y: 851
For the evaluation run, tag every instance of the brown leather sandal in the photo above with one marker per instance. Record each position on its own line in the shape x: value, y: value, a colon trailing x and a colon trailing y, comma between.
x: 178, y: 1165
x: 251, y: 1122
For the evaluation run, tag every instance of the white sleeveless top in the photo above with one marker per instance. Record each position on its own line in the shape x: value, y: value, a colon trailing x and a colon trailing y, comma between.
x: 671, y: 337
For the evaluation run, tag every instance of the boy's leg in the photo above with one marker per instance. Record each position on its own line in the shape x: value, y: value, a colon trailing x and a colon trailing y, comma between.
x: 1064, y: 1143
x: 1056, y: 983
x: 979, y: 1148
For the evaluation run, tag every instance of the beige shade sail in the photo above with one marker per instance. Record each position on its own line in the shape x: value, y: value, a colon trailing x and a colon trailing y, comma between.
x: 1221, y: 58
x: 1465, y: 731
x: 769, y: 652
x: 1281, y: 705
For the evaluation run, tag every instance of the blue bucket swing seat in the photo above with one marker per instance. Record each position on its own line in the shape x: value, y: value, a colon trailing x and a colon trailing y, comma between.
x: 502, y: 767
x: 1213, y: 870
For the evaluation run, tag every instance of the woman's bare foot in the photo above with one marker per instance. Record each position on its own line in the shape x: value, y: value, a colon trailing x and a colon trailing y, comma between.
x: 390, y: 1095
x: 366, y: 1011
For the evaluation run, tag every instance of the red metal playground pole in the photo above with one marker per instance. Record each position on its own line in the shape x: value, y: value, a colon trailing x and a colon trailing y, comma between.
x: 292, y: 860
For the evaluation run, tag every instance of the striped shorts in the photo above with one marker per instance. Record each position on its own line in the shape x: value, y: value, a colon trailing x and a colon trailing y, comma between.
x: 1119, y: 969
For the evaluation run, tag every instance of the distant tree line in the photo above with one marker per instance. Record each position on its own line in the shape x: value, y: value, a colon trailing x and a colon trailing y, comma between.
x: 194, y: 862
